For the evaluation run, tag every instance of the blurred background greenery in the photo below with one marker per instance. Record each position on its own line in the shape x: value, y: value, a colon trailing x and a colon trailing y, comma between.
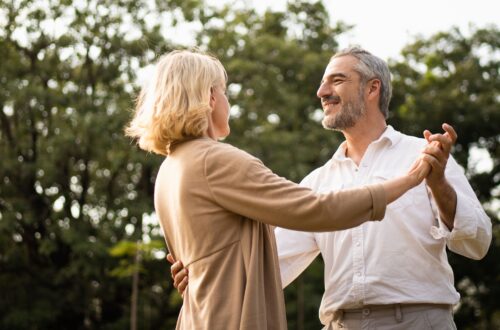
x: 79, y: 245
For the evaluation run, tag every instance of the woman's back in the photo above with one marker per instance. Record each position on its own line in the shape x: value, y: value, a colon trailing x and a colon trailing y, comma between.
x: 234, y: 275
x: 186, y: 207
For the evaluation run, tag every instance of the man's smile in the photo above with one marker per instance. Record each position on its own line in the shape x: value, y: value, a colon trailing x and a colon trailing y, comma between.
x: 329, y: 101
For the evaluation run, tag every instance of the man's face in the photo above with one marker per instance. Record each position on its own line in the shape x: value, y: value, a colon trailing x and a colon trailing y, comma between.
x: 341, y: 94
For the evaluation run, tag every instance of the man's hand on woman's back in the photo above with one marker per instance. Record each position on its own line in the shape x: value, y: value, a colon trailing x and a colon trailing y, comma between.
x: 179, y: 274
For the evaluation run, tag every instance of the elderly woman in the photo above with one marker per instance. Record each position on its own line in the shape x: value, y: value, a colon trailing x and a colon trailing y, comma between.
x: 216, y: 203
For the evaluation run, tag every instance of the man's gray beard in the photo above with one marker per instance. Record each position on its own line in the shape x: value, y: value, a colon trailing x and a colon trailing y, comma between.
x: 347, y: 117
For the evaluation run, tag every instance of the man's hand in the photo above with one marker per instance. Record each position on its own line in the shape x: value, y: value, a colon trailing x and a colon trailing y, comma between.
x: 179, y: 274
x: 436, y: 153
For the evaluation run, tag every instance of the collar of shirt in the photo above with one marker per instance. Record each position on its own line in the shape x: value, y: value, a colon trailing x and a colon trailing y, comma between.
x: 390, y: 135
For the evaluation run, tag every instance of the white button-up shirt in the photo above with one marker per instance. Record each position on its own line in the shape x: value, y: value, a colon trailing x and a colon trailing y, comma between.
x: 401, y: 259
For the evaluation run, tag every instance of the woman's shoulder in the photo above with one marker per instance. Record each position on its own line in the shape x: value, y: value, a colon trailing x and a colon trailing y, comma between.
x: 226, y: 164
x: 225, y: 152
x: 210, y: 150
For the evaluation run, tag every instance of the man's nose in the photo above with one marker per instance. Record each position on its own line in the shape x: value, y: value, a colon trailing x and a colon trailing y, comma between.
x: 323, y: 90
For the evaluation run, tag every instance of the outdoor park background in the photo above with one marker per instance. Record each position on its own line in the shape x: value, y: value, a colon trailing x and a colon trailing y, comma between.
x: 79, y: 245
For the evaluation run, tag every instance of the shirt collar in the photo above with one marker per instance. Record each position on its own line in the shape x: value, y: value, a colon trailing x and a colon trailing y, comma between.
x: 339, y: 155
x: 390, y: 135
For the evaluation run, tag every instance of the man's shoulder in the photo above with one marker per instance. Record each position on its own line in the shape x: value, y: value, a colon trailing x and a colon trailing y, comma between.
x: 408, y: 141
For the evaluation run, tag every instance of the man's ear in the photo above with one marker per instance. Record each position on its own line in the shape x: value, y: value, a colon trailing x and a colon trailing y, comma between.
x: 373, y: 87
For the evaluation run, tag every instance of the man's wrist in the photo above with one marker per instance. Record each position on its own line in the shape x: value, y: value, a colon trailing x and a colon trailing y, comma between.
x: 437, y: 186
x: 446, y: 199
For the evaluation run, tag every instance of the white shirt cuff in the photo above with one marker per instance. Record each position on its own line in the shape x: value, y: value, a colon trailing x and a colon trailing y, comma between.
x: 464, y: 225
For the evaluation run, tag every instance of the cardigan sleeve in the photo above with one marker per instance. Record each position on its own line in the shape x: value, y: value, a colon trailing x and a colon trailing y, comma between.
x: 242, y: 184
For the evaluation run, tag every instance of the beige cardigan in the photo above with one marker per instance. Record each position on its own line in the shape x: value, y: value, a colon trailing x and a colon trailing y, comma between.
x: 206, y: 195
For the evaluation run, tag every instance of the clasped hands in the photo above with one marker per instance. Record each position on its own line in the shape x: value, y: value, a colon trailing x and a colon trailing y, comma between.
x: 431, y: 164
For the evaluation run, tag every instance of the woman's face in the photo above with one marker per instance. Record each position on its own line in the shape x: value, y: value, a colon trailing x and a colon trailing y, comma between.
x: 220, y: 112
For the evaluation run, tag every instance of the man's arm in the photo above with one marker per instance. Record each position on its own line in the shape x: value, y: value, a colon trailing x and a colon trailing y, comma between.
x: 296, y: 251
x: 462, y: 220
x: 439, y: 149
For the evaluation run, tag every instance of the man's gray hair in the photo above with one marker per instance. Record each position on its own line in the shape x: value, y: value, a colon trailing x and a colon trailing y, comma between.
x: 369, y: 67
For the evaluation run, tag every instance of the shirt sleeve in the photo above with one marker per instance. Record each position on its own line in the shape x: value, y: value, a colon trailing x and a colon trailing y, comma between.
x: 242, y: 184
x: 472, y: 229
x: 296, y: 251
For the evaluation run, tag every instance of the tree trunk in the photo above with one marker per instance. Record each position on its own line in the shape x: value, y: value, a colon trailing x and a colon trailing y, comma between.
x: 135, y: 288
x: 300, y: 303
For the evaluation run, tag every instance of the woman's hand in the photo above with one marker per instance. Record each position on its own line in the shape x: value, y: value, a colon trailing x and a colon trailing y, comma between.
x: 418, y: 171
x: 395, y: 188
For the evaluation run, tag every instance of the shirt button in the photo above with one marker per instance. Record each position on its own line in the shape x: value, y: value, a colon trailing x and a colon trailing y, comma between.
x: 358, y: 243
x: 358, y: 274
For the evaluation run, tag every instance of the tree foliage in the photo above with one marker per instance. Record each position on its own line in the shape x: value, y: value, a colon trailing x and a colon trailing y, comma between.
x: 76, y: 195
x: 71, y: 183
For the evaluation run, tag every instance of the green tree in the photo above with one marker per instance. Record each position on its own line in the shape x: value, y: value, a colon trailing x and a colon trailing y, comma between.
x: 72, y: 184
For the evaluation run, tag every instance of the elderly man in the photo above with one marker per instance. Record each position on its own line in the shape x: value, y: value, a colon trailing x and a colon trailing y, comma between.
x: 393, y: 274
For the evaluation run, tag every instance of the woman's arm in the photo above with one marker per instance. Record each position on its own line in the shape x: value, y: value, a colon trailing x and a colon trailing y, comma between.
x: 242, y: 184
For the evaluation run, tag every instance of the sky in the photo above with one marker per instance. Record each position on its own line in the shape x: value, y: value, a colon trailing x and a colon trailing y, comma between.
x: 383, y: 27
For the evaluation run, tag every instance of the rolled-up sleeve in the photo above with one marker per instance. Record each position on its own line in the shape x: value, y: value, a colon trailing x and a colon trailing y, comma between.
x: 472, y: 229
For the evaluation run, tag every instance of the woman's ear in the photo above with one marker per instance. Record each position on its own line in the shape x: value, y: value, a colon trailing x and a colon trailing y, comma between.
x: 212, y: 98
x: 210, y: 128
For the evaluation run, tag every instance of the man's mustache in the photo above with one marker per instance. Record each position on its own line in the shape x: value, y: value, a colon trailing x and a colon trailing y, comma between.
x: 330, y: 98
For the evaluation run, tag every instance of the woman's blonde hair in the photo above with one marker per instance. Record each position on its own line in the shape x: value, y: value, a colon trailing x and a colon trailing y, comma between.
x: 175, y: 105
